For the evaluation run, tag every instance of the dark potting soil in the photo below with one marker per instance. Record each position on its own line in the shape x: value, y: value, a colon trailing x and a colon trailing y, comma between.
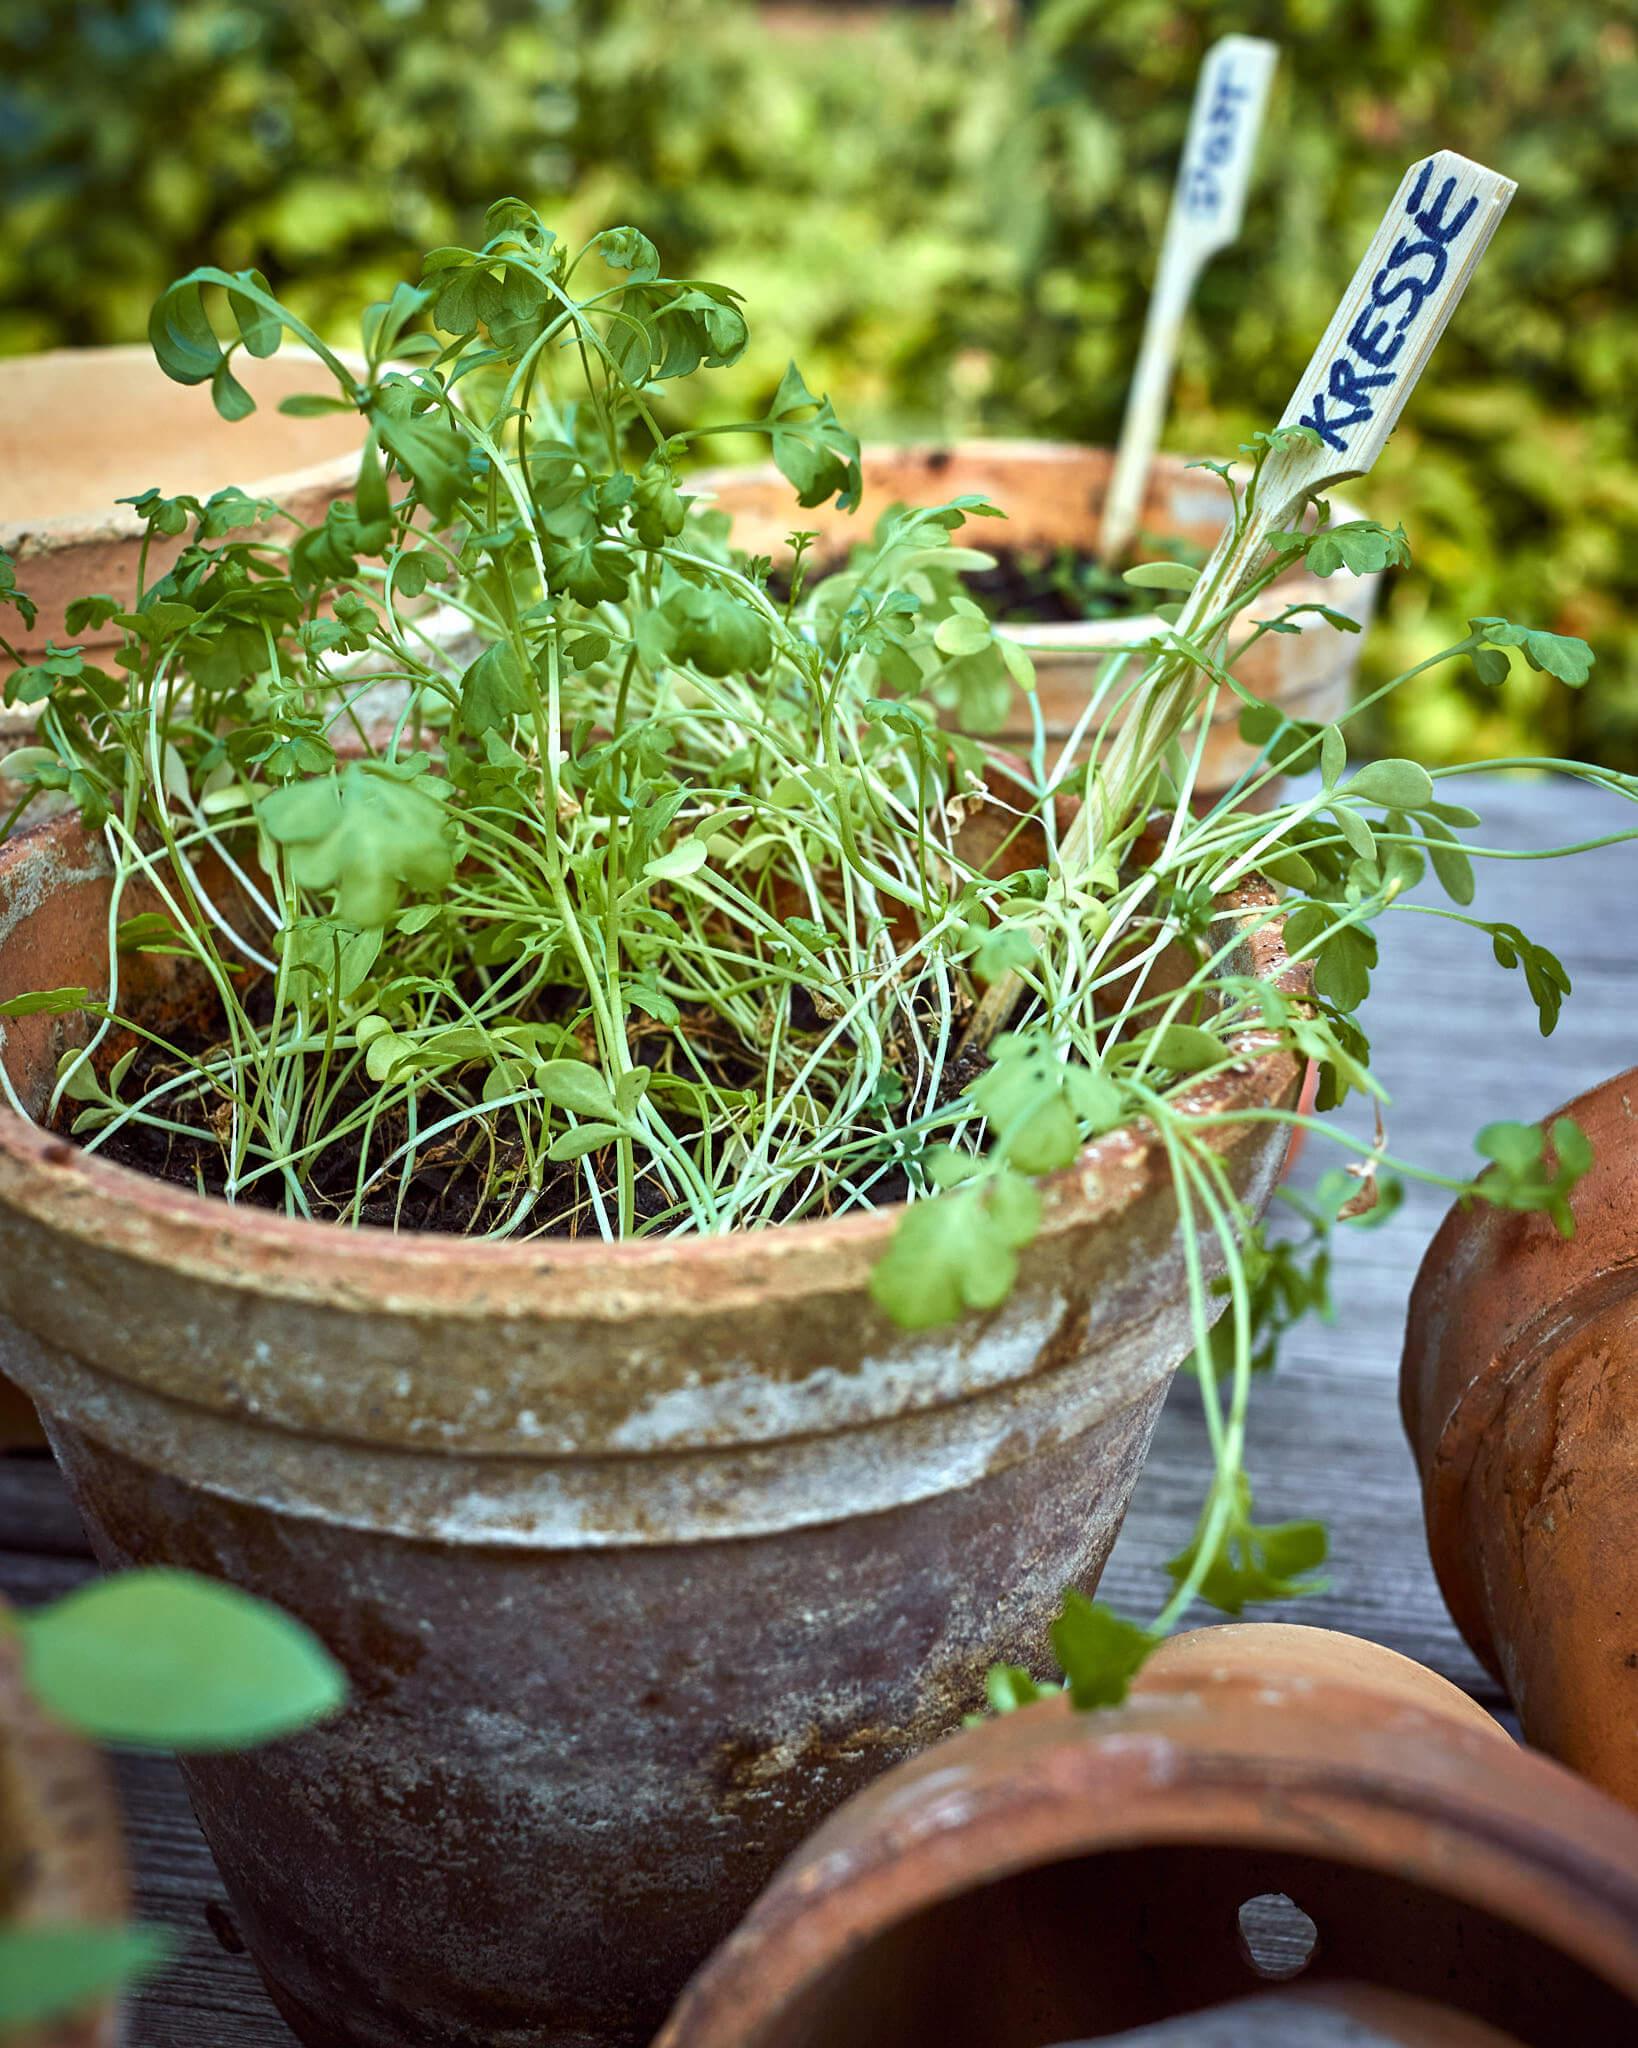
x: 464, y: 1186
x: 1041, y: 586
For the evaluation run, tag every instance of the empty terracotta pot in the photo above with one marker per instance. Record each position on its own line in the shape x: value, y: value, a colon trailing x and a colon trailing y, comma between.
x: 82, y: 428
x: 60, y: 1853
x: 1052, y: 493
x: 1271, y: 1804
x: 639, y: 1558
x: 1520, y: 1396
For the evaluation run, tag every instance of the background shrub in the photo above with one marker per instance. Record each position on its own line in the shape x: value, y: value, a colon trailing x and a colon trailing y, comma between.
x: 950, y: 217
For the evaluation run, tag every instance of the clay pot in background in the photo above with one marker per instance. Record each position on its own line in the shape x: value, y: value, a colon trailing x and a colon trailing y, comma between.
x: 1520, y: 1395
x: 639, y: 1559
x: 1052, y: 493
x: 82, y: 428
x: 1053, y: 1877
x: 61, y: 1858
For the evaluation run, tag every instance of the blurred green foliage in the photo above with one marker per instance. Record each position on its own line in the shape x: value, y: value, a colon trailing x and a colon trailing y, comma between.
x: 949, y: 217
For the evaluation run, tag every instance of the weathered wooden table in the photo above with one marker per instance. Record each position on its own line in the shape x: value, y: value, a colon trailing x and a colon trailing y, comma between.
x: 1457, y: 1045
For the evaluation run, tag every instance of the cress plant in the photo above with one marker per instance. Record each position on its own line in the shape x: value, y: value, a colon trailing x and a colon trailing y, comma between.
x: 521, y: 830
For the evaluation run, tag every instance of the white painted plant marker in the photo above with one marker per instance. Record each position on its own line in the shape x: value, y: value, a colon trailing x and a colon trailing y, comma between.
x: 1351, y: 395
x: 1208, y: 203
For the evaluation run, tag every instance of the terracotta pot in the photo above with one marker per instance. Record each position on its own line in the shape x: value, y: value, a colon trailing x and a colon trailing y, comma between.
x: 1052, y: 493
x: 60, y: 1853
x: 82, y: 428
x: 640, y: 1559
x: 1520, y: 1396
x: 1053, y: 1876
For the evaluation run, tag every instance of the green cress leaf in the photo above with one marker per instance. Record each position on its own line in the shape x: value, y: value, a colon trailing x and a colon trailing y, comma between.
x: 817, y: 453
x: 1007, y: 1687
x: 494, y: 689
x: 185, y: 343
x: 50, y: 1002
x: 1545, y: 975
x: 1333, y: 756
x: 1162, y: 576
x: 169, y: 1660
x: 1521, y: 1177
x: 1040, y: 1108
x: 629, y: 249
x: 572, y: 1084
x: 10, y: 594
x: 86, y: 614
x: 963, y: 632
x: 1554, y: 654
x: 1450, y: 860
x: 1360, y: 546
x: 50, y: 1972
x: 1186, y: 1049
x: 1252, y: 1562
x: 1400, y: 785
x: 955, y: 1252
x: 429, y: 451
x: 1099, y: 1651
x: 368, y: 834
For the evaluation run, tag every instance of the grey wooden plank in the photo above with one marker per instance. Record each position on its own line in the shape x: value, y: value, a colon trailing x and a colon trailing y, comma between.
x: 36, y: 1513
x: 208, y: 1995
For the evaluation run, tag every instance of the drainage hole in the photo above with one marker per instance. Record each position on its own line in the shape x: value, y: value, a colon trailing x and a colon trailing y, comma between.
x: 1277, y: 1937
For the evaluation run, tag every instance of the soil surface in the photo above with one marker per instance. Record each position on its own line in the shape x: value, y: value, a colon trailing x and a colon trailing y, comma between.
x: 464, y: 1185
x: 1040, y: 586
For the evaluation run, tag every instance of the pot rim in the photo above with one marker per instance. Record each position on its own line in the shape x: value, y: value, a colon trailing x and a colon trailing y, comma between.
x: 121, y: 1211
x: 64, y: 530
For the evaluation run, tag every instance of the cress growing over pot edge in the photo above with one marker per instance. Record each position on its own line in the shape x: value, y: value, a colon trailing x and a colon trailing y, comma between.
x: 547, y: 873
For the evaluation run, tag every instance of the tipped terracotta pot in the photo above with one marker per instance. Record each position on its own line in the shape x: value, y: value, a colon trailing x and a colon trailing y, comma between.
x: 61, y: 1859
x: 1052, y: 493
x: 1271, y: 1803
x: 640, y: 1559
x: 1520, y: 1395
x: 82, y: 428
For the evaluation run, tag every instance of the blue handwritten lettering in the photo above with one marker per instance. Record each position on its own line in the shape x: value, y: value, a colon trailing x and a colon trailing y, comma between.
x: 1202, y: 188
x: 1415, y: 268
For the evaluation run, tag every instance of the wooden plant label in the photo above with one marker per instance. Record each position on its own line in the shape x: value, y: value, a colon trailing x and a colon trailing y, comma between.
x: 1403, y: 293
x: 1208, y: 204
x: 1378, y: 343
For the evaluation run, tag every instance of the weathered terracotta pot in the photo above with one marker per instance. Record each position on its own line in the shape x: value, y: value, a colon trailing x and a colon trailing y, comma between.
x: 78, y: 425
x: 639, y: 1559
x: 1054, y: 1876
x: 1520, y: 1395
x: 61, y: 1858
x: 1052, y: 493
